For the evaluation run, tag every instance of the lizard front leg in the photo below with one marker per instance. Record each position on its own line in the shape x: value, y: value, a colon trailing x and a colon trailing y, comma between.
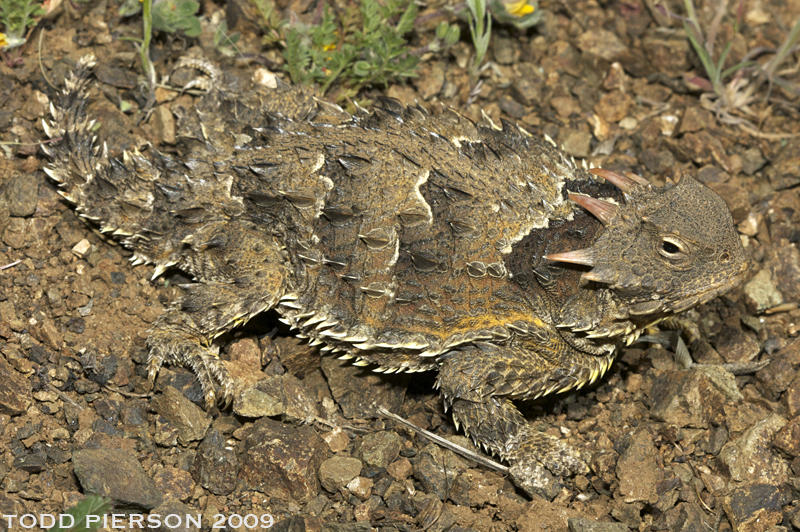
x: 479, y: 383
x: 240, y: 273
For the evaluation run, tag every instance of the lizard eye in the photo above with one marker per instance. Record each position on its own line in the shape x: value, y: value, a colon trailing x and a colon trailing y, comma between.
x: 671, y: 248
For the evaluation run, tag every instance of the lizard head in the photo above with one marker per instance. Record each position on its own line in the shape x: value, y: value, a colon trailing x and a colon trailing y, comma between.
x: 664, y: 250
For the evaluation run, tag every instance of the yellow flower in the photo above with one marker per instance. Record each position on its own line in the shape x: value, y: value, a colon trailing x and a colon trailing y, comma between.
x: 3, y: 40
x: 521, y: 13
x: 331, y: 46
x: 520, y: 8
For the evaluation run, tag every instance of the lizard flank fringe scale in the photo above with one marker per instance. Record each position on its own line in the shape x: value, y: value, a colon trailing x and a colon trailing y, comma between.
x: 403, y: 238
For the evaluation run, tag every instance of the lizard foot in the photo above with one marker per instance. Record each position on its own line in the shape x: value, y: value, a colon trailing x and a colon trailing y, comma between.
x: 171, y: 343
x: 539, y: 460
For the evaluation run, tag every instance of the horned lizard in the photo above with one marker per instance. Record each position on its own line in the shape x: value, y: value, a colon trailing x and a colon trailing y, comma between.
x: 407, y: 239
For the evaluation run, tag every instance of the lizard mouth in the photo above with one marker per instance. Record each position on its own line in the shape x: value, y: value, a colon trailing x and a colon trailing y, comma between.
x: 646, y: 310
x: 634, y: 318
x: 708, y: 293
x: 698, y: 297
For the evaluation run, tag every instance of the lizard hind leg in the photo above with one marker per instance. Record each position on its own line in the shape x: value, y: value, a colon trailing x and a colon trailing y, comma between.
x: 240, y: 273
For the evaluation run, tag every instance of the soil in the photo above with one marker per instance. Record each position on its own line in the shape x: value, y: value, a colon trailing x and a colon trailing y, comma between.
x: 671, y: 446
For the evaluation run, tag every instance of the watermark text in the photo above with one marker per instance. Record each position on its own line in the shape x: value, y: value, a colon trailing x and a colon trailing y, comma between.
x: 141, y: 521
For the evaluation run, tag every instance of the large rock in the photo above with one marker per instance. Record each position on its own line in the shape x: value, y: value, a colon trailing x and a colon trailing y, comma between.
x: 784, y: 172
x: 190, y: 421
x: 116, y: 473
x: 637, y: 468
x: 750, y: 458
x: 336, y: 472
x: 755, y: 508
x: 693, y: 398
x: 22, y: 195
x: 282, y: 460
x: 216, y: 466
x: 279, y: 395
x: 358, y: 391
x: 15, y: 390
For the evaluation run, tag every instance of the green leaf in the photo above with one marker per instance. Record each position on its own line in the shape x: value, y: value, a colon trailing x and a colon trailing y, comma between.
x: 362, y: 68
x: 192, y: 28
x: 130, y: 7
x: 173, y: 15
x: 187, y: 8
x: 453, y: 35
x: 91, y: 505
x: 441, y: 30
x: 406, y: 23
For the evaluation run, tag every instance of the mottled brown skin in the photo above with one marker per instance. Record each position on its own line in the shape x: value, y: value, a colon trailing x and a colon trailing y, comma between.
x: 408, y: 240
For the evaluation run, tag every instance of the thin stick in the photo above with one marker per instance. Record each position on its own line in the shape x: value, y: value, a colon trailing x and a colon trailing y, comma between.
x: 41, y: 66
x: 10, y: 265
x: 466, y: 453
x: 128, y: 394
x: 64, y: 397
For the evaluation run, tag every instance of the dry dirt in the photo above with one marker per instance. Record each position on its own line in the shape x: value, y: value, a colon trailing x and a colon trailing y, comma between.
x: 671, y: 448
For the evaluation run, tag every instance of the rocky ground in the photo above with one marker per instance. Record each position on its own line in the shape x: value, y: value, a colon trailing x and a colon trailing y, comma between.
x: 671, y: 448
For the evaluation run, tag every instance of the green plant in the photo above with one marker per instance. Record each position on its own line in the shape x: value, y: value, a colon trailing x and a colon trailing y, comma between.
x: 171, y: 16
x: 480, y: 28
x: 788, y: 45
x: 270, y: 20
x: 127, y: 9
x: 354, y: 49
x: 17, y: 16
x: 93, y: 505
x: 223, y: 42
x: 704, y: 46
x: 446, y: 36
x: 732, y: 90
x: 144, y: 51
x: 520, y: 13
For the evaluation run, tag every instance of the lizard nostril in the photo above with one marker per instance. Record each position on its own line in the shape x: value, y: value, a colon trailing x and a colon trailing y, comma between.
x: 725, y: 257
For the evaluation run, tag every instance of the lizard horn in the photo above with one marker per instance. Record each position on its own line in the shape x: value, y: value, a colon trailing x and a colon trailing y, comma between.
x: 580, y: 256
x: 625, y: 182
x: 603, y: 210
x: 600, y: 275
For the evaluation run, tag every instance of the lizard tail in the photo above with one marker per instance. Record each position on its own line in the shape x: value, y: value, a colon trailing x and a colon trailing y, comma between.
x: 71, y: 148
x: 122, y: 197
